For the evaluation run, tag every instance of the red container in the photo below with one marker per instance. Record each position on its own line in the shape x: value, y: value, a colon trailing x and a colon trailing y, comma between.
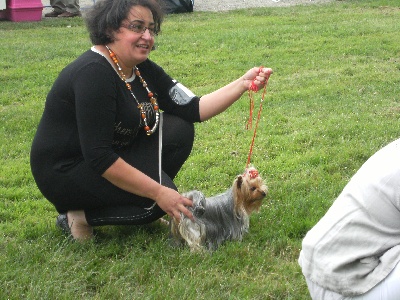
x: 24, y: 10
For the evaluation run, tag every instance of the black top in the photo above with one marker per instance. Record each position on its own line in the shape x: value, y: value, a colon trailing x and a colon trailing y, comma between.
x: 89, y: 112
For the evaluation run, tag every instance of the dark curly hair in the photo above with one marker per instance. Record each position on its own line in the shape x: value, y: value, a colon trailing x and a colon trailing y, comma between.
x: 106, y: 16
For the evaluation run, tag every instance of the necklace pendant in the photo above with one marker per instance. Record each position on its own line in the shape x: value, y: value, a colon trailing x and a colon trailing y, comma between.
x: 152, y: 99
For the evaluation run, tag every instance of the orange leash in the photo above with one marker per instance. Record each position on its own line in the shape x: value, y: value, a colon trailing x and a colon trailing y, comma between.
x: 254, y: 89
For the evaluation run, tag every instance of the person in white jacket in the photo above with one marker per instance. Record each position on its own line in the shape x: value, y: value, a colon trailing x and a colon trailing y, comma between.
x: 354, y: 250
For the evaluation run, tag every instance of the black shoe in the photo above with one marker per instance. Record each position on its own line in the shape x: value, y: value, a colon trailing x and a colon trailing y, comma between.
x: 53, y: 14
x: 67, y: 14
x: 62, y: 222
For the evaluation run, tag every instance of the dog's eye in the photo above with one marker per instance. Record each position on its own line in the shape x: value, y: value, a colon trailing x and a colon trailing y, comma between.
x: 253, y: 188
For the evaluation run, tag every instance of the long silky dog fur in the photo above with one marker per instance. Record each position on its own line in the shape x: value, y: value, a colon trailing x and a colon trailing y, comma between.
x: 221, y: 217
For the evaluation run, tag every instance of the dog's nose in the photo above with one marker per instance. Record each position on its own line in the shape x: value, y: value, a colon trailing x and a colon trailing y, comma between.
x: 263, y: 193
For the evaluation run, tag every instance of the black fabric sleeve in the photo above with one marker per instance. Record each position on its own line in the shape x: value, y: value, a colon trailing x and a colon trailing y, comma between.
x: 162, y: 83
x: 95, y: 103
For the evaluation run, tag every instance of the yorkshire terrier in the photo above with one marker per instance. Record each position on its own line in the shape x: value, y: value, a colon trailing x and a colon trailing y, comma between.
x: 222, y: 217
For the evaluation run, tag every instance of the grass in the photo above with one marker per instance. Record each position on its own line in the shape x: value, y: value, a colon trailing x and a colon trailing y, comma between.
x: 332, y: 101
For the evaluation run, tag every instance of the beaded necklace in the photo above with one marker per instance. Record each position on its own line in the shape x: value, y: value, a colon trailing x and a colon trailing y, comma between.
x: 153, y: 100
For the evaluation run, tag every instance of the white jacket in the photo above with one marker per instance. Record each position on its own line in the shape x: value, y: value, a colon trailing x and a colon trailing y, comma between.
x: 357, y: 243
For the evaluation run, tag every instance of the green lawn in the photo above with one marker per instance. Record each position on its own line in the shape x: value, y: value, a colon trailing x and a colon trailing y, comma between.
x: 332, y: 101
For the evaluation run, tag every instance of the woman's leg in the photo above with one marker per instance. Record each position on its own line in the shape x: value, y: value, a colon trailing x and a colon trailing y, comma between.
x: 128, y: 213
x: 79, y: 227
x: 72, y: 6
x: 178, y: 137
x: 177, y: 142
x: 75, y: 187
x: 57, y: 5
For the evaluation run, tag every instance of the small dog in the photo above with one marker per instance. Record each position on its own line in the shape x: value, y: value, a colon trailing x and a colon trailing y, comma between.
x: 222, y: 217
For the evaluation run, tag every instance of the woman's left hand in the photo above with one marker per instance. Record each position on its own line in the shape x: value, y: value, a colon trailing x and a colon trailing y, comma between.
x: 256, y: 78
x: 216, y: 102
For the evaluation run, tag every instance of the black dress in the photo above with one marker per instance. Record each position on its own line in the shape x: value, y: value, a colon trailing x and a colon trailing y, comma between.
x: 90, y: 120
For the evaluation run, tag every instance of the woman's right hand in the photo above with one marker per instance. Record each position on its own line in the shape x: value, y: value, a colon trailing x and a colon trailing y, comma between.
x: 174, y: 203
x: 134, y: 181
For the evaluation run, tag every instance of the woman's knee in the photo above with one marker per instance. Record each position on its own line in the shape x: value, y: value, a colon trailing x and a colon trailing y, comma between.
x: 178, y: 137
x: 177, y: 131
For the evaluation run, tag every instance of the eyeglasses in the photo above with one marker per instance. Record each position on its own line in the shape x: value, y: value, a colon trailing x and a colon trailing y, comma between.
x: 139, y: 28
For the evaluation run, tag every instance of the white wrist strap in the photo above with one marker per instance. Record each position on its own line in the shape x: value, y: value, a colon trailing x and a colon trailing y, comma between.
x: 160, y: 126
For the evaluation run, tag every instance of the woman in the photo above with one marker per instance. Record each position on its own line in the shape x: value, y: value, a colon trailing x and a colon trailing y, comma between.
x: 353, y: 252
x: 96, y: 152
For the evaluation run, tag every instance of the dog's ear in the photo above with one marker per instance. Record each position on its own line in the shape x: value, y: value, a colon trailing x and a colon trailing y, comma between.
x: 239, y: 182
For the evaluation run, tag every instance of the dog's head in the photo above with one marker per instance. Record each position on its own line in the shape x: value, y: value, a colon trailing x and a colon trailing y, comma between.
x: 249, y: 190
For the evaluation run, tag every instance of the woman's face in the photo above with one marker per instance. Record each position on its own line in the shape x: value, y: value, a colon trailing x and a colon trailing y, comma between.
x: 134, y: 39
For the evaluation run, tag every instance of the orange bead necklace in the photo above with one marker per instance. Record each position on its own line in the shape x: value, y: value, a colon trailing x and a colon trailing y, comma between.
x: 153, y: 99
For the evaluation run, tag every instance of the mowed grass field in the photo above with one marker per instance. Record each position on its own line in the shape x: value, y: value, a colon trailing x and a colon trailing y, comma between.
x: 332, y: 101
